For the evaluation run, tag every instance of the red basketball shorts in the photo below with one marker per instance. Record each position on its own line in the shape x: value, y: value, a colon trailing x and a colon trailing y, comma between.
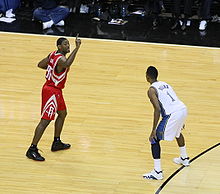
x: 52, y: 101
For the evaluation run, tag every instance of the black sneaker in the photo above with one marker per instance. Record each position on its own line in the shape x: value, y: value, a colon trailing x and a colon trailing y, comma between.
x: 33, y: 154
x: 59, y: 145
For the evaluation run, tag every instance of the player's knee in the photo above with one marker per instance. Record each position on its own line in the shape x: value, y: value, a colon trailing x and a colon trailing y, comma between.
x: 62, y: 114
x: 154, y: 141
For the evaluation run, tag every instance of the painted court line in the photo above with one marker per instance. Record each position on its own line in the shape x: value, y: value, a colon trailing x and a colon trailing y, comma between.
x: 111, y: 40
x: 182, y: 167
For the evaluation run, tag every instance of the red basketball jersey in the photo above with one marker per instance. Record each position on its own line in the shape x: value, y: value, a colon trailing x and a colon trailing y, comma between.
x: 54, y: 79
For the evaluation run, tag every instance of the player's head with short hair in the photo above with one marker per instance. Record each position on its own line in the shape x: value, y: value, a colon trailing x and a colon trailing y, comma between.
x: 151, y: 74
x: 63, y: 45
x: 60, y: 40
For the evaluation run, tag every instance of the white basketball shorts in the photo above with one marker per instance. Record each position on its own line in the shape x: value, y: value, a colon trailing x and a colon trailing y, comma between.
x: 170, y: 126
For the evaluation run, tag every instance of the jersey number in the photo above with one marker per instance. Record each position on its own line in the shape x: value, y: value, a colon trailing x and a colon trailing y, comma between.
x: 170, y: 97
x: 49, y: 72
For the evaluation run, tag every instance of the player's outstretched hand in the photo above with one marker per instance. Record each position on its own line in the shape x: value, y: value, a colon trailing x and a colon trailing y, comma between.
x: 77, y: 41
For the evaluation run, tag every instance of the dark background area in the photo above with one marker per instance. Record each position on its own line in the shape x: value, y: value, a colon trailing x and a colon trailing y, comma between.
x: 138, y: 28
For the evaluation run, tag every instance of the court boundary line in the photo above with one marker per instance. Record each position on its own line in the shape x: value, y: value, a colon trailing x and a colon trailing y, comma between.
x: 182, y: 167
x: 120, y: 41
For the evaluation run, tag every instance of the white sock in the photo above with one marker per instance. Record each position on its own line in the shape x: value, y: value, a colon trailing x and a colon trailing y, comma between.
x: 157, y: 165
x: 183, y: 153
x: 47, y: 24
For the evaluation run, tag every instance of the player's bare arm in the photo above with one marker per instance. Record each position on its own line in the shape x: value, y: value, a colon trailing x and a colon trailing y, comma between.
x: 43, y: 63
x: 66, y: 63
x: 154, y: 100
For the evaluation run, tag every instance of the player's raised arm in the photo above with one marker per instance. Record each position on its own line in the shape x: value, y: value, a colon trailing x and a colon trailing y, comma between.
x: 68, y: 62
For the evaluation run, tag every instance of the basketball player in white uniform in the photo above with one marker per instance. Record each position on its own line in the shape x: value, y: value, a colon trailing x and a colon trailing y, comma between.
x: 173, y: 112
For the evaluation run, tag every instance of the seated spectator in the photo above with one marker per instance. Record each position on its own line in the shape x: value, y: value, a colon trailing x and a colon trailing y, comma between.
x: 50, y: 13
x: 187, y: 11
x: 7, y: 7
x: 205, y: 13
x: 155, y: 7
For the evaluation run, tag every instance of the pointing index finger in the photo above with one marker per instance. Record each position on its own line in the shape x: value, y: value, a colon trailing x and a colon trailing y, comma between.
x: 77, y: 36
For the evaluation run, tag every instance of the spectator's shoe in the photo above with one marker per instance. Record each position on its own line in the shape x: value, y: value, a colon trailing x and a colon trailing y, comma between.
x: 33, y: 154
x: 59, y: 145
x: 154, y: 175
x: 60, y: 23
x: 47, y: 24
x: 203, y: 25
x: 183, y: 161
x: 188, y: 23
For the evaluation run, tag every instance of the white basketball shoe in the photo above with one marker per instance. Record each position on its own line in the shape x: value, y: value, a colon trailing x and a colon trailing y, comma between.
x: 202, y: 25
x: 154, y: 175
x: 47, y: 24
x: 182, y: 161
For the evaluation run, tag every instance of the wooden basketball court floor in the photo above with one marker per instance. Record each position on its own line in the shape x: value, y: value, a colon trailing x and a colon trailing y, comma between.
x: 109, y: 118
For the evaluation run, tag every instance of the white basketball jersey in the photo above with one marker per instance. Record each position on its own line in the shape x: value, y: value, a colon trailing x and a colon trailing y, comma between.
x: 169, y: 102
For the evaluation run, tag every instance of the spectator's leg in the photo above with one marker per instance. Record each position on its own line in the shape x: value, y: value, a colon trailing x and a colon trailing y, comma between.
x: 41, y: 15
x: 77, y: 5
x: 176, y: 8
x: 187, y: 12
x: 205, y: 9
x: 59, y: 13
x: 71, y: 5
x: 155, y: 12
x: 205, y: 13
x: 74, y: 6
x: 147, y: 7
x: 176, y: 14
x: 188, y: 8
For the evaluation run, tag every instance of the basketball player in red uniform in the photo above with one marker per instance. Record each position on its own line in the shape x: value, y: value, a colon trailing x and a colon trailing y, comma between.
x: 57, y: 66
